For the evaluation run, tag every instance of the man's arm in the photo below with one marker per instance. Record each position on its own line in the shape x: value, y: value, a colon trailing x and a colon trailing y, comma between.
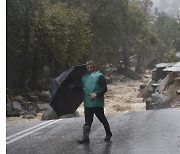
x: 103, y: 86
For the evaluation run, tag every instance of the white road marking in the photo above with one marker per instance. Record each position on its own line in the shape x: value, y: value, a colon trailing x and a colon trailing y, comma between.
x: 7, y: 138
x: 29, y: 131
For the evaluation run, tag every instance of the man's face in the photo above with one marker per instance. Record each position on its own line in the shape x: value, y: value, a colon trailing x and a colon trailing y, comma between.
x: 90, y: 68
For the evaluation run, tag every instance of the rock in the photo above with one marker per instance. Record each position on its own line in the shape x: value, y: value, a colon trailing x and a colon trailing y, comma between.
x: 45, y: 96
x: 40, y: 102
x: 108, y: 80
x: 12, y: 113
x: 142, y: 86
x: 48, y: 84
x: 158, y: 101
x: 149, y: 102
x: 18, y: 98
x: 23, y: 112
x: 32, y: 112
x: 43, y: 106
x: 29, y: 112
x: 49, y: 114
x: 33, y: 98
x: 16, y: 105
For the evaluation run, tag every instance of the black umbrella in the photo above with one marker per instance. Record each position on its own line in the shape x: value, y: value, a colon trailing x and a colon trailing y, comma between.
x: 65, y: 100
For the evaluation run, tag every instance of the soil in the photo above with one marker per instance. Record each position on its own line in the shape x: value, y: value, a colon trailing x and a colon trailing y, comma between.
x: 121, y: 97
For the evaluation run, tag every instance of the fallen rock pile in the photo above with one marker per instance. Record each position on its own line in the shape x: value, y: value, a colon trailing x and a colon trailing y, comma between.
x: 163, y: 90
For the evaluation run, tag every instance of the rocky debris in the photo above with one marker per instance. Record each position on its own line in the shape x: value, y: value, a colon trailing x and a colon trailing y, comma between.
x: 158, y: 72
x: 13, y: 109
x: 49, y: 114
x: 163, y: 92
x: 120, y: 74
x: 27, y: 103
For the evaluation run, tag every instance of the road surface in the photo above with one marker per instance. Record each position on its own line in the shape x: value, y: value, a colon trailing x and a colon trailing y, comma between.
x: 144, y: 132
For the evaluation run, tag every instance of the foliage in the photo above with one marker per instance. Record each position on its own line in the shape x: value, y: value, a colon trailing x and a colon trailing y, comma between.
x: 68, y: 33
x: 145, y: 5
x: 40, y: 33
x: 167, y: 29
x: 169, y: 57
x: 62, y: 33
x: 21, y: 20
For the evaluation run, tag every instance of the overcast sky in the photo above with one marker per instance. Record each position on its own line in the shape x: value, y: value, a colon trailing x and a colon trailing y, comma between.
x: 169, y: 6
x: 157, y: 2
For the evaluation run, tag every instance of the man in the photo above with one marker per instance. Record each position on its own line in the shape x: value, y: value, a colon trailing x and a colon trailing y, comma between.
x: 94, y: 87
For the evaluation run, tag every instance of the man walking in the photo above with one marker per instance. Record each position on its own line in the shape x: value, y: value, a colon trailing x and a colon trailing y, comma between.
x: 94, y: 87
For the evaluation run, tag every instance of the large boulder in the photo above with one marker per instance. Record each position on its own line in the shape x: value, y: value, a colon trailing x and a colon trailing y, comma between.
x: 49, y: 114
x: 158, y: 101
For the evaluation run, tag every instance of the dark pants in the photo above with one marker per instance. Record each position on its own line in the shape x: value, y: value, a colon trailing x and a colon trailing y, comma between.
x: 99, y: 112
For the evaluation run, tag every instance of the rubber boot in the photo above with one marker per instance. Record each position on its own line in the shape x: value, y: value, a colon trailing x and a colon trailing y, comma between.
x: 108, y: 135
x: 108, y: 132
x: 85, y: 138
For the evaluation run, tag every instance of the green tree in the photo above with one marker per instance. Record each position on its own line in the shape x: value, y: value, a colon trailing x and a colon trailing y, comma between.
x: 167, y: 29
x: 143, y: 39
x: 40, y: 33
x: 68, y: 33
x: 145, y: 5
x: 21, y: 18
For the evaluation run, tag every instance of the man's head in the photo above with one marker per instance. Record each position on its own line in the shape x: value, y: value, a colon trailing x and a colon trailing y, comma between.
x: 90, y: 66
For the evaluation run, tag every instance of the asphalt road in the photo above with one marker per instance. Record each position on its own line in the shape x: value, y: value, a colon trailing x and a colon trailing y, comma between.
x: 145, y: 132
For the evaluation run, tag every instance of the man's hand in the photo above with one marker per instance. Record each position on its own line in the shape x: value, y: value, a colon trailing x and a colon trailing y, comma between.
x: 93, y: 95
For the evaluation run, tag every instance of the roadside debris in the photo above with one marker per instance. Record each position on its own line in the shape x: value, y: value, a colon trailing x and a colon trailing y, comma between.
x: 163, y: 90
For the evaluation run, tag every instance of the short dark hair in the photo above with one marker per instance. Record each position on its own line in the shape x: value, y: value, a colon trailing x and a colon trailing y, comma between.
x: 90, y: 63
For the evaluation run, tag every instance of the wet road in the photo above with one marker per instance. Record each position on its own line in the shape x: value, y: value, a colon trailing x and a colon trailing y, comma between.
x: 147, y: 132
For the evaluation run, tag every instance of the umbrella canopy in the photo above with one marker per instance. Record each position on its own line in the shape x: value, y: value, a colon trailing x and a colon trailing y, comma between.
x: 64, y: 100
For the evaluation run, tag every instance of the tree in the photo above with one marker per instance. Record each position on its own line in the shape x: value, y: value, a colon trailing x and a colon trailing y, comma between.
x: 143, y: 39
x: 115, y: 28
x: 145, y: 5
x: 167, y: 31
x: 68, y: 33
x: 21, y: 20
x: 40, y: 33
